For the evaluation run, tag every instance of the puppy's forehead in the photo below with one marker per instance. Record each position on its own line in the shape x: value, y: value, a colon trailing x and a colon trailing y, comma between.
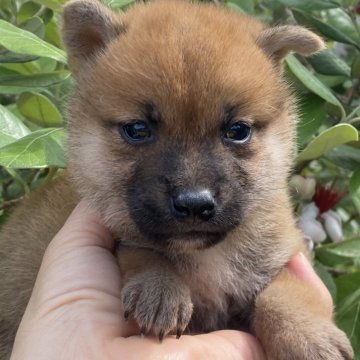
x: 191, y: 64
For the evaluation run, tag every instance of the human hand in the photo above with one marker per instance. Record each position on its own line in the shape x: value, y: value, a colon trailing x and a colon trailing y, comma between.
x: 75, y: 310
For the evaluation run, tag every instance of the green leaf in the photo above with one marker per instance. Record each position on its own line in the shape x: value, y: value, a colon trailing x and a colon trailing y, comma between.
x: 347, y: 284
x: 312, y: 115
x: 52, y: 4
x: 327, y: 140
x: 33, y: 81
x: 325, y: 29
x: 327, y: 63
x: 245, y: 5
x: 116, y: 4
x: 355, y: 68
x: 345, y: 156
x: 24, y: 42
x: 52, y: 34
x: 354, y: 186
x: 34, y: 25
x: 7, y: 56
x: 11, y: 128
x: 42, y: 148
x: 326, y: 278
x: 39, y: 109
x: 347, y: 248
x: 27, y: 10
x: 348, y: 318
x: 310, y: 81
x: 341, y: 21
x: 23, y: 68
x: 310, y: 5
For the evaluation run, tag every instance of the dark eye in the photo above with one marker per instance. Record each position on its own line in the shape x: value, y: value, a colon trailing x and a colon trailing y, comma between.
x: 238, y: 133
x: 136, y: 132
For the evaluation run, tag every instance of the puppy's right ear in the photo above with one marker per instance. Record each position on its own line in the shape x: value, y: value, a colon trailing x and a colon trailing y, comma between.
x: 88, y: 26
x: 279, y: 41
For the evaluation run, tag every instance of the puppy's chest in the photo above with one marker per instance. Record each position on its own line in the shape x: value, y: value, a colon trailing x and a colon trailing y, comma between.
x: 222, y: 288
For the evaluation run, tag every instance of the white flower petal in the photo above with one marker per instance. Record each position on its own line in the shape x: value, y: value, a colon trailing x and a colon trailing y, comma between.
x: 305, y: 187
x: 313, y: 229
x: 308, y: 189
x: 310, y: 211
x: 333, y: 226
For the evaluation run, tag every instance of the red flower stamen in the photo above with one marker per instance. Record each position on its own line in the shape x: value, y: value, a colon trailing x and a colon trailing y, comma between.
x: 325, y: 198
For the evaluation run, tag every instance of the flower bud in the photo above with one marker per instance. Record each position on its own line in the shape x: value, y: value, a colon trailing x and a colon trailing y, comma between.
x: 313, y: 229
x: 309, y: 244
x: 332, y: 224
x: 310, y: 211
x: 305, y: 187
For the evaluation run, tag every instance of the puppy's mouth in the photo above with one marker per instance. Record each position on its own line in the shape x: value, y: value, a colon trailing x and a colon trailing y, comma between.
x: 192, y: 239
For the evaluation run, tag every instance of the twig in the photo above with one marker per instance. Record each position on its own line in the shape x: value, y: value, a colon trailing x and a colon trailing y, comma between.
x: 353, y: 91
x: 9, y: 203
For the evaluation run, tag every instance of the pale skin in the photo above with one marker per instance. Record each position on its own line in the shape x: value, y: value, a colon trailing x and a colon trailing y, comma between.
x: 75, y: 310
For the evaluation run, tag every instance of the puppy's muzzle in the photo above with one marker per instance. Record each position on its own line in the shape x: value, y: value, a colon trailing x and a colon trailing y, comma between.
x: 193, y: 204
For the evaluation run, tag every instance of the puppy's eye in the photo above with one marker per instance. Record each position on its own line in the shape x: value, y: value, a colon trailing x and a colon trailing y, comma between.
x: 136, y: 132
x: 238, y: 133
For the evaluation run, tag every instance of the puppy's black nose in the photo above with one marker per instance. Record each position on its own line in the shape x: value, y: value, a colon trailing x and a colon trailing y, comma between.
x: 200, y: 204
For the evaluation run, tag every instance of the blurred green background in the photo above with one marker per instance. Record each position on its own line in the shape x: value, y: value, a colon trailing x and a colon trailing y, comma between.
x: 35, y: 82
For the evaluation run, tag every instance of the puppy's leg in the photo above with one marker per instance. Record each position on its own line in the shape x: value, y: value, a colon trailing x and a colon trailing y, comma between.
x: 293, y: 323
x: 153, y: 293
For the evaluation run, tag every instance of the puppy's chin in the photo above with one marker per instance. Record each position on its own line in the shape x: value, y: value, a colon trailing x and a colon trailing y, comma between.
x: 188, y: 241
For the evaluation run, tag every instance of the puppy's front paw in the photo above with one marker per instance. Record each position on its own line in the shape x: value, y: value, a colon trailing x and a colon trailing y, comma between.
x: 160, y: 303
x: 319, y: 340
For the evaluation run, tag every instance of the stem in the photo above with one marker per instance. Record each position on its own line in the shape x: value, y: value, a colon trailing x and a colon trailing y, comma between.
x: 50, y: 175
x: 19, y: 179
x: 353, y: 113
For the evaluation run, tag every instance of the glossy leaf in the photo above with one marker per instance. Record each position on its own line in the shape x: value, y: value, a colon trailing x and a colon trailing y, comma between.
x: 245, y: 5
x: 33, y: 80
x: 310, y: 81
x: 326, y: 278
x: 327, y: 63
x: 39, y: 109
x: 34, y: 25
x: 310, y: 5
x: 355, y: 67
x: 327, y: 140
x: 27, y: 10
x: 325, y: 29
x: 345, y: 156
x: 311, y: 116
x: 354, y: 186
x: 346, y: 285
x: 348, y: 318
x: 52, y: 4
x: 11, y: 128
x: 116, y: 4
x: 42, y: 148
x: 347, y: 248
x: 24, y: 42
x: 341, y: 21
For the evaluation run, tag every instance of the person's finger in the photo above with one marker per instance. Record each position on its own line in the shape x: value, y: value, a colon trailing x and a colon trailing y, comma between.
x: 80, y: 269
x: 83, y: 227
x: 300, y: 266
x: 224, y: 345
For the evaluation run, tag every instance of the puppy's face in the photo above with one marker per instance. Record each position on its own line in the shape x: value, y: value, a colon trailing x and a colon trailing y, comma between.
x: 180, y: 124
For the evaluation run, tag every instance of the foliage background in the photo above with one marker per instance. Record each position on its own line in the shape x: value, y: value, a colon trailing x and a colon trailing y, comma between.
x: 35, y: 81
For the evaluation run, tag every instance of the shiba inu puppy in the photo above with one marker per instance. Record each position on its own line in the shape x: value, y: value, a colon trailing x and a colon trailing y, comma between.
x: 181, y: 136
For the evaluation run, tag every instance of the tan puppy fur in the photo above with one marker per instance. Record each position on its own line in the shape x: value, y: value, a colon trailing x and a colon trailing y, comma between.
x: 190, y: 73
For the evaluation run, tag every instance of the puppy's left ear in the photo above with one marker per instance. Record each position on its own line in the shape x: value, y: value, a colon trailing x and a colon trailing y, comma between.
x: 279, y: 41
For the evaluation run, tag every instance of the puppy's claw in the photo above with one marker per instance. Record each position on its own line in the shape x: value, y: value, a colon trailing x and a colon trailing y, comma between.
x: 143, y: 331
x: 161, y: 335
x: 126, y: 315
